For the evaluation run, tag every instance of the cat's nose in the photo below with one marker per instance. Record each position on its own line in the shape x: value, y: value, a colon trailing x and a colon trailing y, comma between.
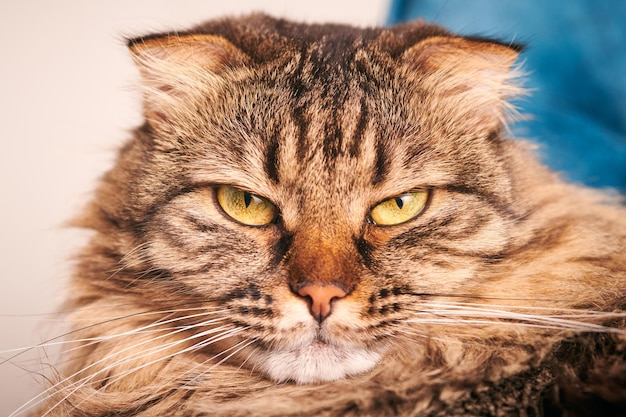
x: 321, y: 298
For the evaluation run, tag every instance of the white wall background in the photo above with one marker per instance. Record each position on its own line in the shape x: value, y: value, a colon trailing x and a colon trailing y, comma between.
x: 66, y: 103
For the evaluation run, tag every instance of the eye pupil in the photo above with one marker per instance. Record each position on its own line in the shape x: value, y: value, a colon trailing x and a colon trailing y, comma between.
x: 247, y: 199
x: 399, y: 202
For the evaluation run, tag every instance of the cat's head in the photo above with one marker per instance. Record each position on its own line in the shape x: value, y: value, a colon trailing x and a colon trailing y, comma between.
x: 306, y: 187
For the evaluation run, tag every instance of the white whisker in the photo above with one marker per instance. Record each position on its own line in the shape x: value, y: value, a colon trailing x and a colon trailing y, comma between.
x: 412, y: 331
x: 52, y: 342
x: 239, y: 346
x: 160, y: 348
x: 37, y: 399
x: 481, y: 314
x: 196, y: 346
x: 83, y: 381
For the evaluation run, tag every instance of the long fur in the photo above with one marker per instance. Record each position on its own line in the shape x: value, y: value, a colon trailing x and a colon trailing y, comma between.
x: 505, y: 296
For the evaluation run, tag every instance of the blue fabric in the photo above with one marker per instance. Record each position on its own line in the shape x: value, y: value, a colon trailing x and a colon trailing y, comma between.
x: 575, y: 58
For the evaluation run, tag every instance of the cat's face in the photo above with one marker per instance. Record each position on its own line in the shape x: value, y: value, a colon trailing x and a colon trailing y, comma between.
x: 312, y: 199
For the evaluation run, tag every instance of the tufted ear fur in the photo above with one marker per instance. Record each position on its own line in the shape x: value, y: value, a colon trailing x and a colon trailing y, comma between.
x: 175, y: 68
x: 470, y: 79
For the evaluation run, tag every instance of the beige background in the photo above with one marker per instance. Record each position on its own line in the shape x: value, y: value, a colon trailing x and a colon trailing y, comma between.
x: 66, y: 103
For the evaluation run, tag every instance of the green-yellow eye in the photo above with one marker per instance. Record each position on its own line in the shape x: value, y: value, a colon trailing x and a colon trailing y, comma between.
x: 399, y: 209
x: 246, y: 207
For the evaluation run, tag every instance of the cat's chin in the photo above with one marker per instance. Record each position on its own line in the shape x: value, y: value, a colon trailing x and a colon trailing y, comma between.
x: 317, y: 362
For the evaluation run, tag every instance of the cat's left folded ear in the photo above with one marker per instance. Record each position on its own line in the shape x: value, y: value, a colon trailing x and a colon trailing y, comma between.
x: 470, y: 75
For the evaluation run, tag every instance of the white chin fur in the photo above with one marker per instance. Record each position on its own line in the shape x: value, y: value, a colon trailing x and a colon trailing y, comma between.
x: 318, y: 362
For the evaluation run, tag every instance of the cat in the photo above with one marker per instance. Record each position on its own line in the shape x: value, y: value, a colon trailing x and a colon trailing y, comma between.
x: 323, y: 220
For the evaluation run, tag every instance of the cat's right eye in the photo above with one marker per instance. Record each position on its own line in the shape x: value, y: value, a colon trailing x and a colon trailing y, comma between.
x: 245, y: 207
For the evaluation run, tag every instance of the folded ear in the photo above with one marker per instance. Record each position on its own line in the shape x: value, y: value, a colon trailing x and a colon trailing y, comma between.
x: 176, y: 68
x: 470, y: 79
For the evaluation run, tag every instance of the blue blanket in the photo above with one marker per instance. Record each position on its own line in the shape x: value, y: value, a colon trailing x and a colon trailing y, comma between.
x: 575, y: 58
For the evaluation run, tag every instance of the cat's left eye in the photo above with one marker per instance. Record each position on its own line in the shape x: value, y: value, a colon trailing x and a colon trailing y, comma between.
x: 399, y: 209
x: 245, y: 207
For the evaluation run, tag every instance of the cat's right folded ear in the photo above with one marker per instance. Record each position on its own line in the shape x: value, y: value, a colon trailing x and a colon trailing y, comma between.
x: 176, y: 68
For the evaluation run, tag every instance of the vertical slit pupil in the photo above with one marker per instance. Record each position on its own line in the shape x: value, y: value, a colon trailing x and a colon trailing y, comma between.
x: 399, y: 202
x: 247, y: 198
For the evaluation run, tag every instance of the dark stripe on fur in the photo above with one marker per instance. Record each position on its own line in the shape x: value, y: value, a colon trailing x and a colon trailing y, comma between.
x: 491, y: 198
x: 359, y: 130
x: 272, y: 163
x: 299, y: 90
x: 381, y: 166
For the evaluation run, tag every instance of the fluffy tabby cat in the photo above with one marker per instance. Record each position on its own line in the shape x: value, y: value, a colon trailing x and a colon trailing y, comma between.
x: 329, y: 221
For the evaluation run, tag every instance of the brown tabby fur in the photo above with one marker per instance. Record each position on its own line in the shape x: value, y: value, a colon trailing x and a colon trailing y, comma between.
x: 505, y: 297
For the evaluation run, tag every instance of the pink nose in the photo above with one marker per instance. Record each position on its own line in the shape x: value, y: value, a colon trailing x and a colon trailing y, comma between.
x: 321, y: 298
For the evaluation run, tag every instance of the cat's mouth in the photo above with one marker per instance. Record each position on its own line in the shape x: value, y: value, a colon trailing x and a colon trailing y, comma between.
x: 318, y: 340
x: 317, y: 361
